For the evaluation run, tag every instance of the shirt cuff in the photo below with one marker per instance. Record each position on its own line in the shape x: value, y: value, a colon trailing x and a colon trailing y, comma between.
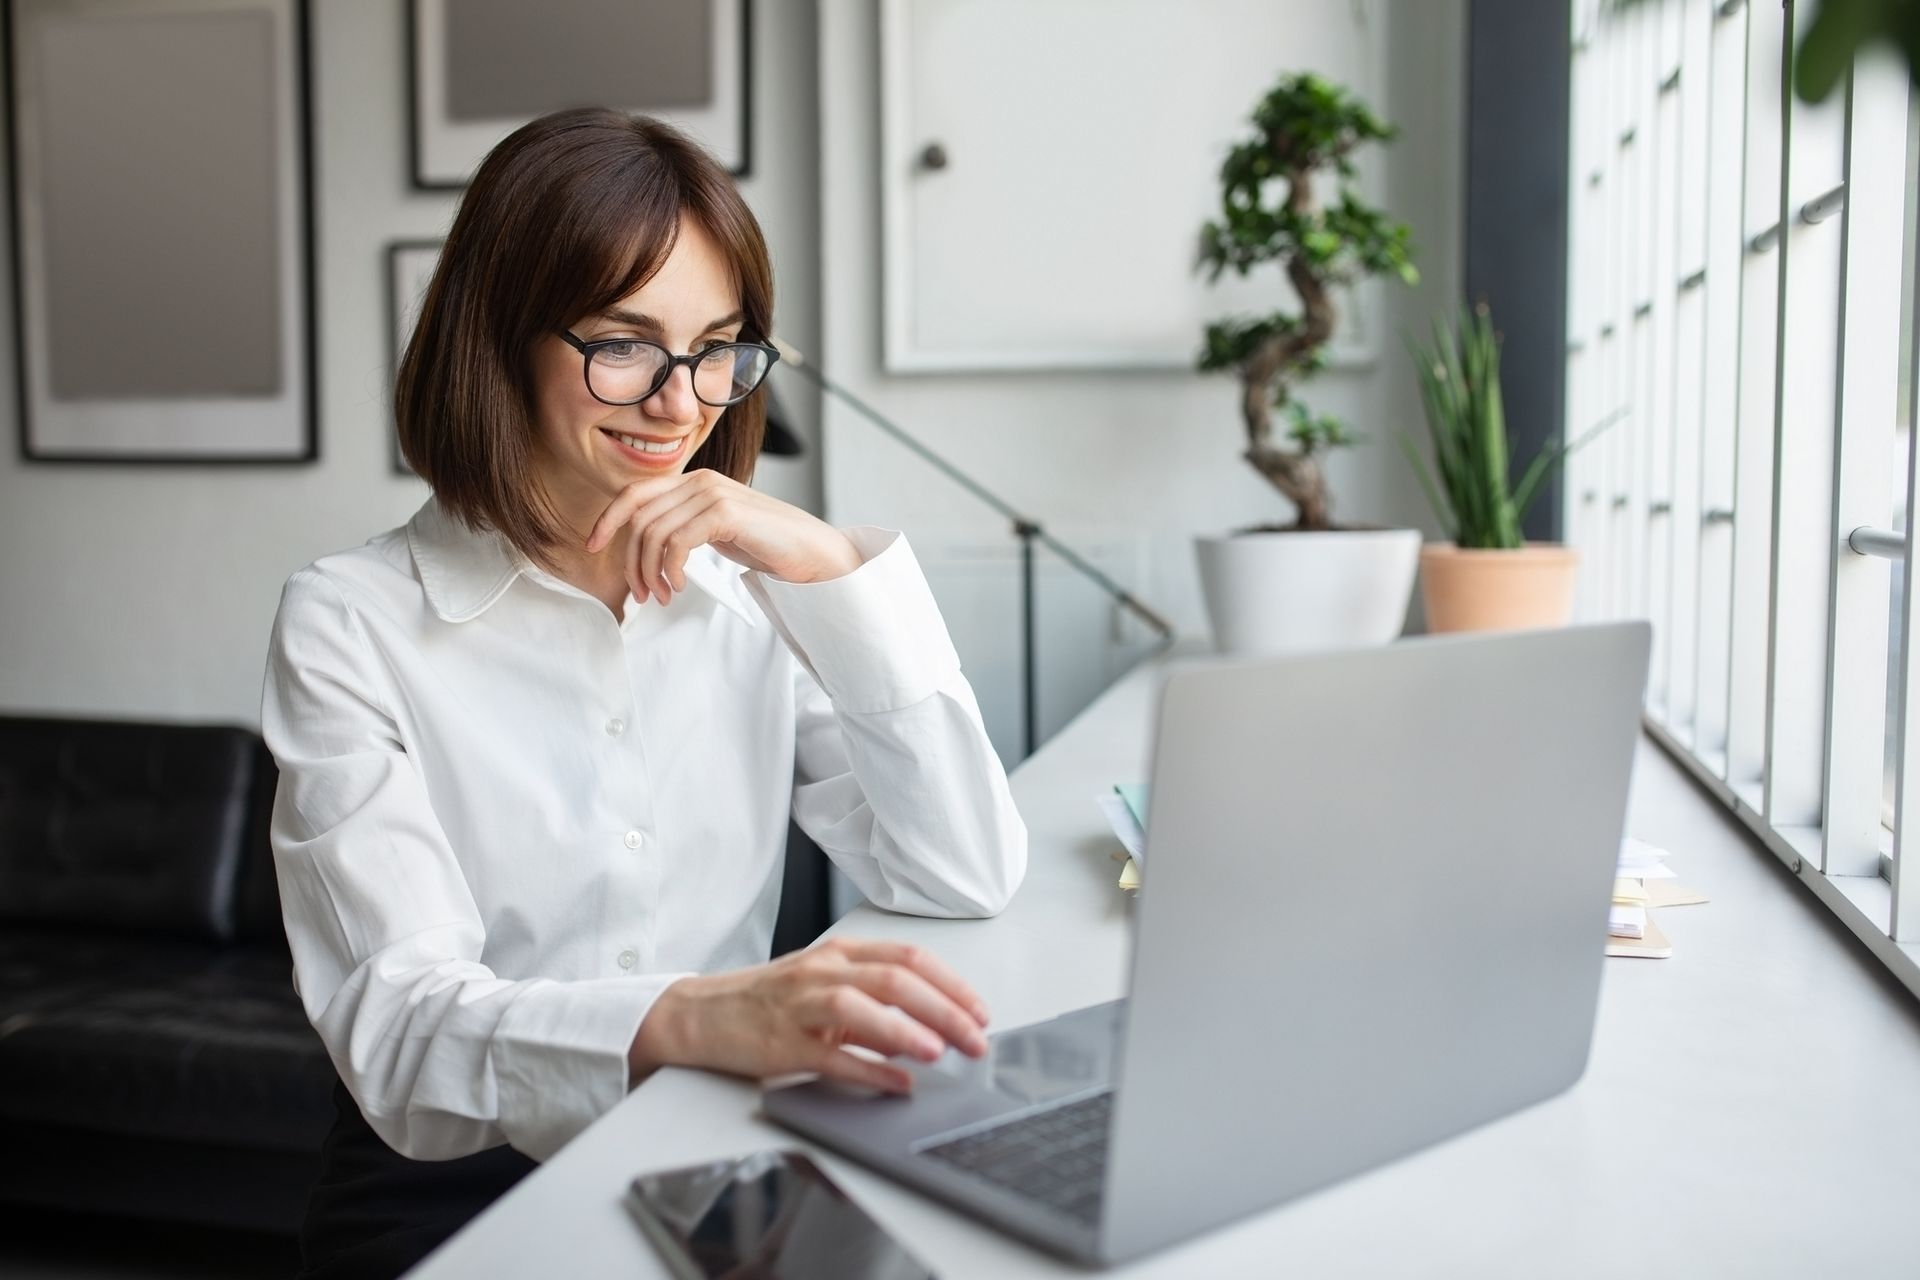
x: 873, y: 638
x: 560, y: 1056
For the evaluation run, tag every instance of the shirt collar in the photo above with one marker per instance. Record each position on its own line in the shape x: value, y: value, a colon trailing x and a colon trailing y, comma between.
x: 465, y: 570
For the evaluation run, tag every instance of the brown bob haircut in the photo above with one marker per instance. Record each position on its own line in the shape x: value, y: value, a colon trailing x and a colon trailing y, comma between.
x: 569, y: 214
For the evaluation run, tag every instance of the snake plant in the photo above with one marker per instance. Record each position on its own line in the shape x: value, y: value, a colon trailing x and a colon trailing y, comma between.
x: 1467, y: 423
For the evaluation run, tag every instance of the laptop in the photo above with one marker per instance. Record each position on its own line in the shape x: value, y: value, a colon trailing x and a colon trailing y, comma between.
x: 1372, y: 916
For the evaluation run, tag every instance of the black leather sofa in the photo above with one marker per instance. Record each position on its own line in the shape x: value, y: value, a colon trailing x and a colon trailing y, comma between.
x: 154, y: 1059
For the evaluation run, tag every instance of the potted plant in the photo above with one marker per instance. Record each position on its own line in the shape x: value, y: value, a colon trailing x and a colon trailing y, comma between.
x: 1312, y: 583
x: 1489, y: 577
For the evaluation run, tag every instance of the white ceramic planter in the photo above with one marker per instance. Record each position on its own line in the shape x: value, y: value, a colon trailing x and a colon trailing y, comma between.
x: 1295, y: 592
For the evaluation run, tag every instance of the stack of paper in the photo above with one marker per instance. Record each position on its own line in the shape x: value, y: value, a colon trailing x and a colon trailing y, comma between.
x: 1639, y: 862
x: 1627, y: 917
x: 1642, y: 879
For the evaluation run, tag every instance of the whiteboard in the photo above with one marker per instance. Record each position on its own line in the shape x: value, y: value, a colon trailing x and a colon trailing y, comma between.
x: 1083, y: 140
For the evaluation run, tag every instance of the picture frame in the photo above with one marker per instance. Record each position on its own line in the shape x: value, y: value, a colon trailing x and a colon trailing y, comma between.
x: 972, y: 282
x: 479, y: 69
x: 410, y: 266
x: 109, y: 102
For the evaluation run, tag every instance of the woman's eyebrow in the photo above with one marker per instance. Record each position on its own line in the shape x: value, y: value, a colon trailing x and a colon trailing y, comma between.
x: 640, y: 320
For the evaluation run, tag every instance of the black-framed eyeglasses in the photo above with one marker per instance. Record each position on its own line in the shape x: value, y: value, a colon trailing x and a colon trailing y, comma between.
x: 628, y: 370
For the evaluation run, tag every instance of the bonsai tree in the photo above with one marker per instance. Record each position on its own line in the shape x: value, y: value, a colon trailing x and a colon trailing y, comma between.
x: 1305, y: 129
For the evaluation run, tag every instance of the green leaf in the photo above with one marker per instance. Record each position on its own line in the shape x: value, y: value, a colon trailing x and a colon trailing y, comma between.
x: 1459, y: 377
x: 1316, y: 433
x: 1441, y: 510
x: 1552, y: 456
x: 1827, y: 50
x: 1229, y: 343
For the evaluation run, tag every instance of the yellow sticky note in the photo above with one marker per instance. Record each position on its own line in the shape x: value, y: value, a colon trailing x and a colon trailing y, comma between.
x: 1629, y: 893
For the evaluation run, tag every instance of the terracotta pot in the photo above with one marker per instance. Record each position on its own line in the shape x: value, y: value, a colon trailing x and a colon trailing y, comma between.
x: 1484, y: 590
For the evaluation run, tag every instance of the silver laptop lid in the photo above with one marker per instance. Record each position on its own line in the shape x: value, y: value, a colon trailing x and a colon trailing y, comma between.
x: 1401, y: 858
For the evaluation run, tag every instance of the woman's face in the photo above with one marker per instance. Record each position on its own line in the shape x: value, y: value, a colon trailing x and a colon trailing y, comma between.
x: 688, y: 303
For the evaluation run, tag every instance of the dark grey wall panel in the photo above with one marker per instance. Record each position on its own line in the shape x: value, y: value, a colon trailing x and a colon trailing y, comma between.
x: 1516, y: 250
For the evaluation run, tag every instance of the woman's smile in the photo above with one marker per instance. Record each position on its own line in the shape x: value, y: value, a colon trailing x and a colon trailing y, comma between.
x: 653, y: 453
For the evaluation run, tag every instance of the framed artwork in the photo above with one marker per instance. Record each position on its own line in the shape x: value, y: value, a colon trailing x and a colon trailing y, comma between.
x: 410, y: 265
x: 482, y: 68
x: 161, y: 200
x: 974, y: 281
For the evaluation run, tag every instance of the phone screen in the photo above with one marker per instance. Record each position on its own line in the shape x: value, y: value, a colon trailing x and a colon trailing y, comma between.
x: 772, y: 1215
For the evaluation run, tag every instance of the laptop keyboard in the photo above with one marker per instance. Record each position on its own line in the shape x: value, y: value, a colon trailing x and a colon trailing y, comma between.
x: 1057, y: 1156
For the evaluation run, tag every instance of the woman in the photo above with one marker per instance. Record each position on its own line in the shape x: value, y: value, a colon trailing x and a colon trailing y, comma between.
x: 539, y: 746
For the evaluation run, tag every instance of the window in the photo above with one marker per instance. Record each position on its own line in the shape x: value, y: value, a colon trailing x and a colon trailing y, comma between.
x: 1903, y: 423
x: 1741, y: 305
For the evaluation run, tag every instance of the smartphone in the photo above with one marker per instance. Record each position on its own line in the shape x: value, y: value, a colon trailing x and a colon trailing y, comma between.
x: 772, y: 1215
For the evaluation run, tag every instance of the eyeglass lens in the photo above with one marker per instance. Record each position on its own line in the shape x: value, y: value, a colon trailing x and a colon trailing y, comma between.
x: 628, y: 372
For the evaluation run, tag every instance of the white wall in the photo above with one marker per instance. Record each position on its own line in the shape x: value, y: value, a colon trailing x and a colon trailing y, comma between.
x: 149, y: 591
x: 1133, y: 463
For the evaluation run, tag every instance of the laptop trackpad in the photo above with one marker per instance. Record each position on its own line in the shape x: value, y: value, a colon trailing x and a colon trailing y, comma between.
x: 1069, y: 1054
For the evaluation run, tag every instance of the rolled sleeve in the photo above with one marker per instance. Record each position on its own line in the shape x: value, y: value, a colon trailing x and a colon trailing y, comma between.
x: 873, y: 638
x: 560, y: 1053
x: 894, y: 775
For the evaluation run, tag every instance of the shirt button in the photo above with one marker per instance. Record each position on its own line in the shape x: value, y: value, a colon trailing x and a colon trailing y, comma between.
x: 629, y: 958
x: 615, y: 727
x: 633, y: 839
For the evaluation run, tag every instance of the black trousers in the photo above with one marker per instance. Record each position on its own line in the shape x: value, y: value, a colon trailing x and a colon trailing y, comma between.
x: 374, y: 1213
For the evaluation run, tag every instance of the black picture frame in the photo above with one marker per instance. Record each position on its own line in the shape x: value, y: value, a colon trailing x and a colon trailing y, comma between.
x: 416, y: 158
x: 305, y: 276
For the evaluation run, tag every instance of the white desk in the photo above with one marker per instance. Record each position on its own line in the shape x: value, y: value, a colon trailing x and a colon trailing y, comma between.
x: 1752, y: 1107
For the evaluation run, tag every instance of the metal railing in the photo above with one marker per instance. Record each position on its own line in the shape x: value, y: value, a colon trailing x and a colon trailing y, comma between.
x: 1024, y: 527
x: 1885, y: 543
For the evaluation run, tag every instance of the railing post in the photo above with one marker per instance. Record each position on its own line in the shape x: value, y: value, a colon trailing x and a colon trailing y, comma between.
x: 1027, y: 531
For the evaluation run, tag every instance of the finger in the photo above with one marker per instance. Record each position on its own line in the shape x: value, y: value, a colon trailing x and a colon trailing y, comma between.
x: 924, y: 963
x: 914, y: 996
x: 630, y: 566
x: 640, y: 529
x: 718, y: 521
x: 630, y: 499
x: 851, y: 1068
x: 658, y: 545
x: 846, y: 1014
x: 663, y: 500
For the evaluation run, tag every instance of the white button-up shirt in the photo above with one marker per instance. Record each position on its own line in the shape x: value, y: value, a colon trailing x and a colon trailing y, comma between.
x: 506, y: 821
